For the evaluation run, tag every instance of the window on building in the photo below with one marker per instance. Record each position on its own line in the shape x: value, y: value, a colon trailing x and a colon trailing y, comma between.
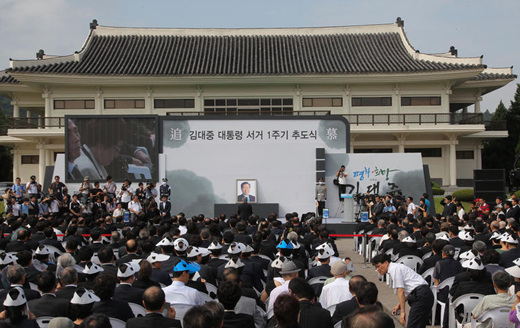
x: 465, y: 154
x: 265, y: 106
x: 30, y: 159
x: 124, y: 103
x: 74, y: 104
x: 371, y: 101
x: 425, y: 152
x: 372, y: 150
x: 420, y: 101
x: 322, y: 102
x: 174, y: 103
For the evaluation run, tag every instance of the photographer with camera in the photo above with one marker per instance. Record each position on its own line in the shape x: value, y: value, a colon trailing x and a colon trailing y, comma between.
x: 150, y: 190
x: 84, y: 189
x: 33, y: 187
x: 110, y: 188
x: 126, y: 193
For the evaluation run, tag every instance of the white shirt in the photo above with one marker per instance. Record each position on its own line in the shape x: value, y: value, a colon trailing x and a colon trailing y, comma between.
x: 335, y: 292
x: 126, y: 196
x: 32, y: 188
x: 178, y: 293
x: 136, y: 206
x: 404, y: 277
x: 118, y: 213
x: 460, y: 213
x: 283, y: 289
x: 411, y: 208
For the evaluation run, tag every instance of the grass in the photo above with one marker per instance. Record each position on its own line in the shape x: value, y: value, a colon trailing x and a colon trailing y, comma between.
x: 439, y: 208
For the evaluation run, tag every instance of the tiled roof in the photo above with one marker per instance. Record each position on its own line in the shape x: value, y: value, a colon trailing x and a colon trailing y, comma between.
x: 176, y: 55
x: 493, y: 76
x: 8, y: 79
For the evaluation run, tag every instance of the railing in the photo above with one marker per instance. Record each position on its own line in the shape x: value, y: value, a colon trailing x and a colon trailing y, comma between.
x: 354, y: 119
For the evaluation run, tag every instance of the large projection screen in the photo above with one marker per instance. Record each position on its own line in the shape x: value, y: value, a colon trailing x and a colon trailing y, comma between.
x: 205, y: 157
x: 123, y: 147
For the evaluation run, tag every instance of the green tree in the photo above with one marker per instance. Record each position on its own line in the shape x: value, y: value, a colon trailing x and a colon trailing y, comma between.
x: 500, y: 153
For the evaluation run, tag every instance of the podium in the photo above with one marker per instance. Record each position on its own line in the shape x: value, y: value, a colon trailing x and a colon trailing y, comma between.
x: 260, y: 209
x: 348, y: 208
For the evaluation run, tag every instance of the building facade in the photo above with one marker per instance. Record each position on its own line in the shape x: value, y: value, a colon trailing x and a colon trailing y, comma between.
x: 395, y: 98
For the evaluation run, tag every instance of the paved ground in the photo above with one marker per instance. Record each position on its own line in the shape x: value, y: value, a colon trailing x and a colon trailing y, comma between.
x: 386, y: 294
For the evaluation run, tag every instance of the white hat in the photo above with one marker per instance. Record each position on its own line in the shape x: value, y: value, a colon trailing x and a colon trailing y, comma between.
x: 236, y: 248
x: 15, y: 297
x: 234, y: 263
x: 180, y: 244
x: 443, y: 237
x: 214, y: 245
x: 248, y: 249
x: 474, y: 264
x: 409, y: 239
x: 166, y: 241
x: 325, y: 253
x: 6, y: 258
x: 193, y: 251
x: 126, y: 270
x: 92, y: 268
x: 277, y: 263
x: 514, y: 271
x: 204, y: 251
x: 495, y: 235
x: 466, y: 236
x: 468, y: 255
x: 324, y: 245
x: 156, y: 257
x: 296, y: 244
x: 83, y: 296
x: 43, y: 250
x: 467, y: 227
x: 508, y: 238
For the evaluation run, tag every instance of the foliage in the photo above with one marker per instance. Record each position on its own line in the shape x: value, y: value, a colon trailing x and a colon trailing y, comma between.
x: 434, y: 184
x: 6, y: 158
x: 464, y: 195
x: 438, y: 191
x: 500, y: 153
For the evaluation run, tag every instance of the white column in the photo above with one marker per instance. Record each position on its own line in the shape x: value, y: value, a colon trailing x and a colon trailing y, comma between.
x: 149, y: 100
x: 16, y: 109
x: 478, y: 155
x: 347, y: 103
x: 41, y: 166
x: 99, y: 101
x: 453, y: 160
x: 352, y: 139
x: 28, y: 113
x: 478, y: 99
x: 48, y: 107
x: 199, y: 100
x: 402, y: 140
x: 297, y: 99
x: 16, y: 161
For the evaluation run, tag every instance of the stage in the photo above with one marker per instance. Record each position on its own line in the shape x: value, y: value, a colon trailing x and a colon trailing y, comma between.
x: 339, y: 226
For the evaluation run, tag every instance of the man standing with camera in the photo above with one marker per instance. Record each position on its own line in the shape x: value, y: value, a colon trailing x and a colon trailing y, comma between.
x: 33, y: 187
x: 126, y: 193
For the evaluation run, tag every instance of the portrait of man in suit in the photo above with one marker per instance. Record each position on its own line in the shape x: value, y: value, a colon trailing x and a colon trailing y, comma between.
x: 246, y: 189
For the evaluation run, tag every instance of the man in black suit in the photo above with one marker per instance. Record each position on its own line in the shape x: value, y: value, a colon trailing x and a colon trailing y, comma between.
x: 165, y: 207
x: 50, y: 239
x: 228, y: 295
x: 20, y: 244
x: 311, y: 313
x: 48, y: 305
x: 16, y: 277
x: 106, y: 257
x: 154, y: 301
x: 449, y: 207
x: 345, y: 308
x: 125, y: 291
x: 245, y: 209
x: 246, y: 189
x: 69, y: 283
x: 104, y: 286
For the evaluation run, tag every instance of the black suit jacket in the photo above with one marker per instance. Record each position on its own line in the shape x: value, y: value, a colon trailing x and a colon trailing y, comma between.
x: 66, y: 293
x: 152, y: 320
x: 129, y: 294
x: 17, y: 246
x: 49, y: 305
x: 114, y: 309
x: 127, y: 258
x: 313, y: 315
x: 240, y: 320
x: 245, y: 210
x: 345, y: 308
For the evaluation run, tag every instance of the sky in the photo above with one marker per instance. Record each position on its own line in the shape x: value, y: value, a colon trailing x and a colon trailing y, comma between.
x: 474, y: 27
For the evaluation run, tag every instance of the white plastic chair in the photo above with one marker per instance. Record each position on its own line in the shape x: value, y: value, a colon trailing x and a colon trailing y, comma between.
x: 435, y: 289
x: 116, y: 323
x: 138, y: 310
x: 411, y: 261
x: 211, y: 289
x: 427, y: 255
x: 499, y: 317
x: 33, y: 286
x: 429, y: 273
x: 469, y: 301
x: 43, y: 322
x: 205, y: 297
x: 180, y: 310
x: 338, y: 324
x: 318, y: 280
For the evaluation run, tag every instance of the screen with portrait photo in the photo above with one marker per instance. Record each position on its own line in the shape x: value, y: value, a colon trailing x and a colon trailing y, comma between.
x: 123, y: 147
x: 246, y: 188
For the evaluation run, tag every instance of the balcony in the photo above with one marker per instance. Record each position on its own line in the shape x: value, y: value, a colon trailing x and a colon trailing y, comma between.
x: 354, y: 119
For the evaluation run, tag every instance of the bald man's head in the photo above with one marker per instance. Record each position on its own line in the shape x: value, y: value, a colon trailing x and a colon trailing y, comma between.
x: 153, y: 299
x: 131, y: 246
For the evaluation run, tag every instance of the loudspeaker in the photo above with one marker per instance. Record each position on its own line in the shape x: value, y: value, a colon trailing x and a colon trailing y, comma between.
x: 488, y: 184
